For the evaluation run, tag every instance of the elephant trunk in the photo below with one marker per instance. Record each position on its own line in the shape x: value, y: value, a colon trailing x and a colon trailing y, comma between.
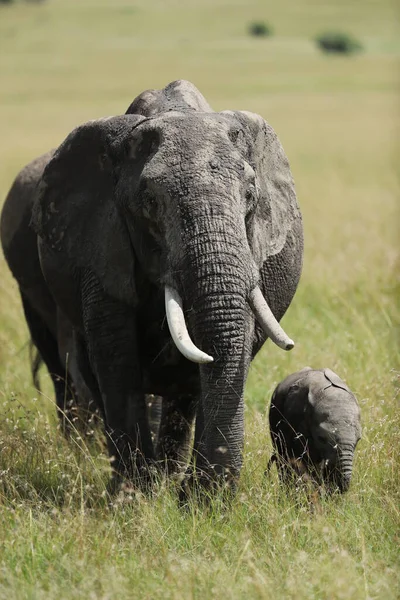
x: 216, y: 282
x: 220, y: 325
x: 345, y: 468
x: 337, y: 473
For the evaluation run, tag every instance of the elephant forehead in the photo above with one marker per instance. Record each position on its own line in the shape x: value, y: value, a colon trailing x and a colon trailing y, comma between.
x: 336, y: 395
x: 324, y: 387
x: 190, y: 130
x: 338, y: 405
x: 196, y: 148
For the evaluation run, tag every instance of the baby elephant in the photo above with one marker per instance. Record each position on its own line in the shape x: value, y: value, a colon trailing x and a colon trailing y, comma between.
x: 315, y: 427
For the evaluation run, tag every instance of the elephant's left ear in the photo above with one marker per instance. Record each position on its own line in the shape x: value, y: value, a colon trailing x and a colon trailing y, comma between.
x: 336, y: 381
x: 277, y: 209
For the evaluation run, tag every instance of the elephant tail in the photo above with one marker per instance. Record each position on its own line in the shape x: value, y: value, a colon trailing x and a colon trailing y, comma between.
x: 36, y: 362
x: 40, y: 336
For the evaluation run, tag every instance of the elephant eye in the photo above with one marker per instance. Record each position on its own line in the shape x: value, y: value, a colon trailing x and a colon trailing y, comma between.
x: 148, y: 203
x: 251, y: 203
x: 251, y: 197
x: 250, y: 194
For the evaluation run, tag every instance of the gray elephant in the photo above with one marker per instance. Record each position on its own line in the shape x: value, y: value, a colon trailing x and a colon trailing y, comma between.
x: 51, y: 333
x: 315, y: 427
x: 181, y: 212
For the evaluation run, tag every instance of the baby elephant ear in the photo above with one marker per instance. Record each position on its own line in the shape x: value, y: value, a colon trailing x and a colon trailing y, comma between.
x: 294, y: 404
x: 336, y: 381
x: 277, y: 208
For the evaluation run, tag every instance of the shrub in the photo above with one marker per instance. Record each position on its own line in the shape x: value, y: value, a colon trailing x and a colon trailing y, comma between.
x: 12, y: 1
x: 338, y: 42
x: 260, y: 29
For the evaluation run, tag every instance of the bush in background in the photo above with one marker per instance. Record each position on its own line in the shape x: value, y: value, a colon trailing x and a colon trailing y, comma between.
x: 260, y: 29
x: 13, y: 1
x: 338, y: 42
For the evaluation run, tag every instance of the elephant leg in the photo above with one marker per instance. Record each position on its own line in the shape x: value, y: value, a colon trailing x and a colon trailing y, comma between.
x: 154, y: 412
x: 84, y: 408
x: 87, y: 382
x: 110, y: 335
x: 285, y: 461
x: 47, y: 347
x: 175, y: 431
x: 199, y: 453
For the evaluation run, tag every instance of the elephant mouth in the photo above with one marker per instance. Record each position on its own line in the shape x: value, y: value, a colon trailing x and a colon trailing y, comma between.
x: 333, y: 478
x: 180, y: 335
x: 336, y: 485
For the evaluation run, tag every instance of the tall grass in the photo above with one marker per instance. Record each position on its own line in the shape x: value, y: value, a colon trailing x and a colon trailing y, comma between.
x: 65, y: 62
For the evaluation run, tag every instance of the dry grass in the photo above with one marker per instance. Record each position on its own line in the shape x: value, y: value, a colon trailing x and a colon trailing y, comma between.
x: 65, y: 62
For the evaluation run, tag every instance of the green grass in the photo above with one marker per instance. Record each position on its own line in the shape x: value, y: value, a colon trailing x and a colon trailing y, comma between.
x: 63, y: 62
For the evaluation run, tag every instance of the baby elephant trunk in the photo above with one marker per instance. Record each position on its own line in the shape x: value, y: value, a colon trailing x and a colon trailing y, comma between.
x: 344, y: 469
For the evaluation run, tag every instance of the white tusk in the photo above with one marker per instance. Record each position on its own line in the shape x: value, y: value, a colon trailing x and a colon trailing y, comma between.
x: 178, y: 329
x: 267, y: 320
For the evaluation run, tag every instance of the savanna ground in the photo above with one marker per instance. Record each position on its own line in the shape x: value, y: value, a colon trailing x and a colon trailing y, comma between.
x: 64, y: 62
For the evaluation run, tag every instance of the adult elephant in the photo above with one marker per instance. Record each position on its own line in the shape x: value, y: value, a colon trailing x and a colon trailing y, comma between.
x: 185, y: 206
x: 51, y: 333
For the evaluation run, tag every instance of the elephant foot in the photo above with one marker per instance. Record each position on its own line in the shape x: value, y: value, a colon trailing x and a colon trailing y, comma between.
x: 204, y: 488
x: 76, y: 418
x: 84, y: 421
x: 121, y: 492
x: 114, y: 485
x: 134, y: 476
x: 172, y: 468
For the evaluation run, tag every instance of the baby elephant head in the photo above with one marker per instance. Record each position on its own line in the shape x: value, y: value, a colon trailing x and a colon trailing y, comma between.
x: 315, y: 427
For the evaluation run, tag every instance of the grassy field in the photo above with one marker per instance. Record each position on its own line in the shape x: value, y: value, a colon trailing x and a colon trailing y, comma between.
x: 66, y: 61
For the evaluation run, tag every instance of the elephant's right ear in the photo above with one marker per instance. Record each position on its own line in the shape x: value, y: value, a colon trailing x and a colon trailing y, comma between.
x: 75, y: 213
x: 336, y: 380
